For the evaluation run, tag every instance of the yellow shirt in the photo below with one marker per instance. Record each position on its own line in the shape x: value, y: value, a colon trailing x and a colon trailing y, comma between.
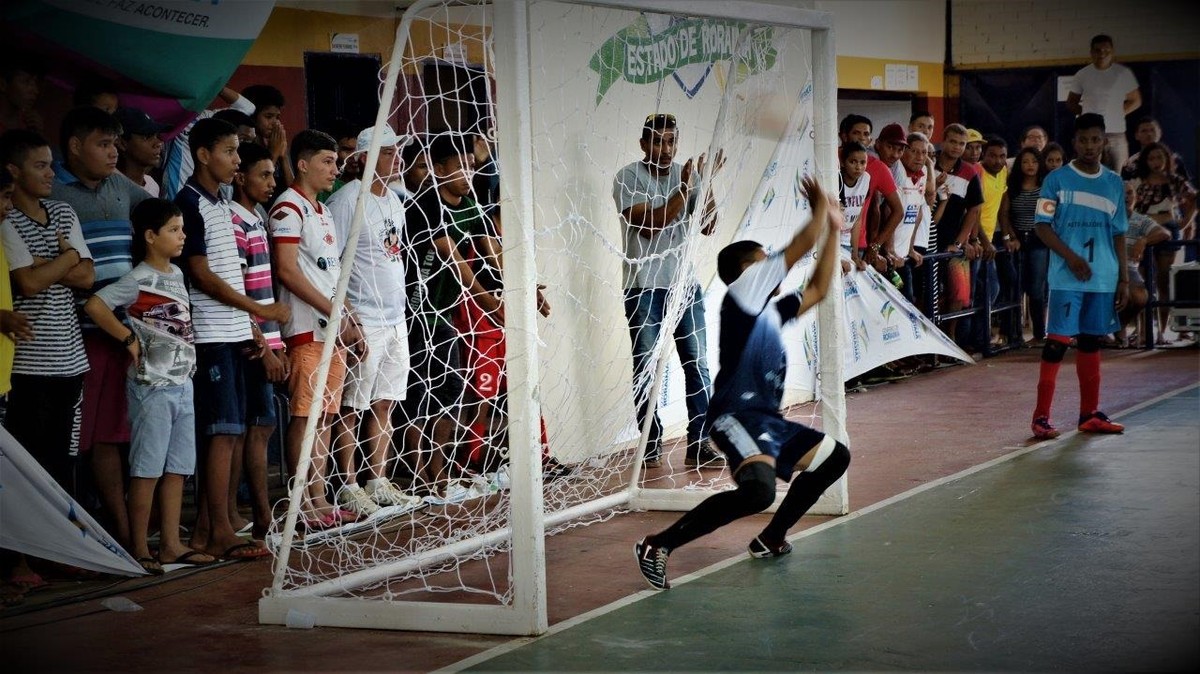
x: 7, y: 347
x: 994, y: 187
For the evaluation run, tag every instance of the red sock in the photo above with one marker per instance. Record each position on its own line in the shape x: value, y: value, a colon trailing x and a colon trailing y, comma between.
x: 1045, y: 391
x: 1047, y: 377
x: 1087, y: 367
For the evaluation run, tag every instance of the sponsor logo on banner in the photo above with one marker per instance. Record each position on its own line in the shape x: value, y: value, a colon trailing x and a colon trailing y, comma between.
x: 891, y: 332
x: 851, y: 290
x: 642, y: 54
x: 917, y: 328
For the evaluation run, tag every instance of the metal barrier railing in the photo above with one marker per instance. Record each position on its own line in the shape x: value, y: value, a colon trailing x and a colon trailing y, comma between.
x: 985, y: 309
x: 1152, y: 302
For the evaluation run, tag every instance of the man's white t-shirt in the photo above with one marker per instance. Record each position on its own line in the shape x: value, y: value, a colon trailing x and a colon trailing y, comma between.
x: 376, y: 288
x: 296, y: 219
x: 1103, y: 92
x: 916, y: 210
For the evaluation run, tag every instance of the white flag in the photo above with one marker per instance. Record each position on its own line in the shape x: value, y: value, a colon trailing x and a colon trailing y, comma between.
x: 39, y: 518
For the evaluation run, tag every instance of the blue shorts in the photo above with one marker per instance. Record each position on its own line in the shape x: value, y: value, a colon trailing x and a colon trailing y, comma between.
x: 1076, y: 312
x: 220, y: 390
x: 741, y: 435
x: 260, y: 395
x: 163, y: 420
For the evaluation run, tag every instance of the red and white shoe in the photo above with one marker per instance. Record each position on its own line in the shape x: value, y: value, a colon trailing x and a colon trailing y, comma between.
x: 1098, y: 422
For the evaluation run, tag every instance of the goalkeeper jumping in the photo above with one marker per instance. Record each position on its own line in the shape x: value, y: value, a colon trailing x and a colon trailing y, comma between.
x: 744, y: 414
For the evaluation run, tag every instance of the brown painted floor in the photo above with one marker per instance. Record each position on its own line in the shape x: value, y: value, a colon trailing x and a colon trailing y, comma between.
x: 903, y: 434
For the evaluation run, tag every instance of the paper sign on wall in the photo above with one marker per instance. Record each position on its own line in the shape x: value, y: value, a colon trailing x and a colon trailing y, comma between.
x: 900, y: 76
x: 343, y: 43
x: 1064, y: 86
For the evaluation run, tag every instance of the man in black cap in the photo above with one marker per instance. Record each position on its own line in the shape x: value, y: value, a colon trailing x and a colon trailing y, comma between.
x: 140, y: 146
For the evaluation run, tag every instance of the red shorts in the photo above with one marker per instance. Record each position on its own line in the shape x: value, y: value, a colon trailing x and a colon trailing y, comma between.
x: 105, y: 409
x: 484, y: 349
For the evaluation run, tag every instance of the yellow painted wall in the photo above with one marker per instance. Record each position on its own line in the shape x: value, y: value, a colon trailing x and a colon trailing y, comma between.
x: 856, y: 72
x: 291, y: 32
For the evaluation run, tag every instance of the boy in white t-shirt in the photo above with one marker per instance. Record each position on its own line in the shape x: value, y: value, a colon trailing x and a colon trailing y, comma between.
x: 376, y: 383
x: 307, y: 263
x: 854, y: 184
x: 162, y: 410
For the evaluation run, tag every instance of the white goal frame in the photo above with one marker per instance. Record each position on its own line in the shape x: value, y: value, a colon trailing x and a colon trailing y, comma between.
x: 527, y: 612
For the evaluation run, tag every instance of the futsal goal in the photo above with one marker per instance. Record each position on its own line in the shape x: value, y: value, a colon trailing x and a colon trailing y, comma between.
x: 557, y: 93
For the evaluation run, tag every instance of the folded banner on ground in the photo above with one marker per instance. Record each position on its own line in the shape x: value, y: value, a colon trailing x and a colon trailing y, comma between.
x: 169, y: 57
x: 39, y: 518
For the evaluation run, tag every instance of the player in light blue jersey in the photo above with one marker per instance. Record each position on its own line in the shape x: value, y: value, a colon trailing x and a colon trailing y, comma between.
x: 1081, y: 218
x: 747, y: 425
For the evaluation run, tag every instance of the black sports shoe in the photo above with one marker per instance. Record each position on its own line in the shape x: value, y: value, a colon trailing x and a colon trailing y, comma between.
x: 704, y: 456
x: 652, y: 562
x: 760, y: 550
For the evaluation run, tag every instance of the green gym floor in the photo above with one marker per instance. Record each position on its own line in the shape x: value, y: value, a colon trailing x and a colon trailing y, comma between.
x: 970, y: 547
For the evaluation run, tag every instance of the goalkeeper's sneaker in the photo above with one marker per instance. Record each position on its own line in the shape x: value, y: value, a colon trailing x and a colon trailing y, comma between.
x: 1098, y: 422
x: 652, y: 562
x: 354, y: 499
x: 384, y: 493
x: 761, y: 550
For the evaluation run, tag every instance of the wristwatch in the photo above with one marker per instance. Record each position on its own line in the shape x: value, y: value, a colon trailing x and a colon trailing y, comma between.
x: 129, y: 339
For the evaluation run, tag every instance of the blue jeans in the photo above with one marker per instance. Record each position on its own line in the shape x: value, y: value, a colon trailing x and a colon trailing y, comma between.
x: 644, y: 309
x: 1035, y: 263
x: 983, y: 279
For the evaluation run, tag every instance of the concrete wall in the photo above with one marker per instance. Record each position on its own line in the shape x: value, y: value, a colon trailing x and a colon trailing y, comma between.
x: 1039, y: 32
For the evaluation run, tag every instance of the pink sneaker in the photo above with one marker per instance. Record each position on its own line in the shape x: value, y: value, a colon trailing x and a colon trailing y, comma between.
x: 1042, y: 430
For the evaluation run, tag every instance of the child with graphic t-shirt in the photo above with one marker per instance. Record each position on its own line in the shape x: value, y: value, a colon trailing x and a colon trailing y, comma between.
x: 854, y: 184
x: 162, y: 412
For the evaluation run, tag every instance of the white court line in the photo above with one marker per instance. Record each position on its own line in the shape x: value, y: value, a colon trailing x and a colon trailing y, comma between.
x: 713, y: 568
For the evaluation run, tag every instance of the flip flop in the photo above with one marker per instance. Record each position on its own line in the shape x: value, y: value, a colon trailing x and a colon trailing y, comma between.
x: 29, y: 582
x: 245, y: 552
x: 189, y: 559
x: 151, y: 565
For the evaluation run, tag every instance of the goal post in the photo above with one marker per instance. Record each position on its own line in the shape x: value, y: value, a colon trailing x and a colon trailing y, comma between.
x: 478, y: 565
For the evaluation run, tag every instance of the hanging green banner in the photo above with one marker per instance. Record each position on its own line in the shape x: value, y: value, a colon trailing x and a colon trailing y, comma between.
x: 637, y: 56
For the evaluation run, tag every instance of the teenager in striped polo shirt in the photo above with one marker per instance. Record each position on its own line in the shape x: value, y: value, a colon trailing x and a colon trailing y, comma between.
x: 221, y: 316
x: 253, y: 186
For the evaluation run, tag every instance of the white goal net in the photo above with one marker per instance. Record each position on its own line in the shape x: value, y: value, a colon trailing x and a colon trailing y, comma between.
x: 535, y: 119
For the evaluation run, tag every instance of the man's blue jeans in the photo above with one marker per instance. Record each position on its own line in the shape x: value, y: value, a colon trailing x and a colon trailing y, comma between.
x: 644, y: 309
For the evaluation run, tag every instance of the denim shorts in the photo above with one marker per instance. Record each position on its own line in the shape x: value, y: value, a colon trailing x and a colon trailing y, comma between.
x: 260, y: 394
x: 163, y: 419
x: 220, y: 390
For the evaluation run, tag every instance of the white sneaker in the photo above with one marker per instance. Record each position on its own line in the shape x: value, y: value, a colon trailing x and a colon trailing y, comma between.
x: 455, y: 492
x: 355, y: 499
x: 384, y: 493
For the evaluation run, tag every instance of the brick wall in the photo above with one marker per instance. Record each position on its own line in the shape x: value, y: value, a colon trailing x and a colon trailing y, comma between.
x: 1011, y: 31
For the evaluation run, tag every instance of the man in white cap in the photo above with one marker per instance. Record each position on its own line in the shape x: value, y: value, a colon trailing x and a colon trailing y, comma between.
x: 376, y: 293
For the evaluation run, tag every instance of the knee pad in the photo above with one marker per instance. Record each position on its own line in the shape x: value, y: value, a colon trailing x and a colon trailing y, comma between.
x: 1054, y: 351
x: 1087, y: 343
x: 835, y: 463
x: 756, y: 481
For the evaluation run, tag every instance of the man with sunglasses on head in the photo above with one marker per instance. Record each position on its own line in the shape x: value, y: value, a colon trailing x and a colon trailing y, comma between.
x: 656, y: 198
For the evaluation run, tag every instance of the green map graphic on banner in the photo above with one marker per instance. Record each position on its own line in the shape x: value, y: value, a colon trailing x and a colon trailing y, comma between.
x: 637, y: 56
